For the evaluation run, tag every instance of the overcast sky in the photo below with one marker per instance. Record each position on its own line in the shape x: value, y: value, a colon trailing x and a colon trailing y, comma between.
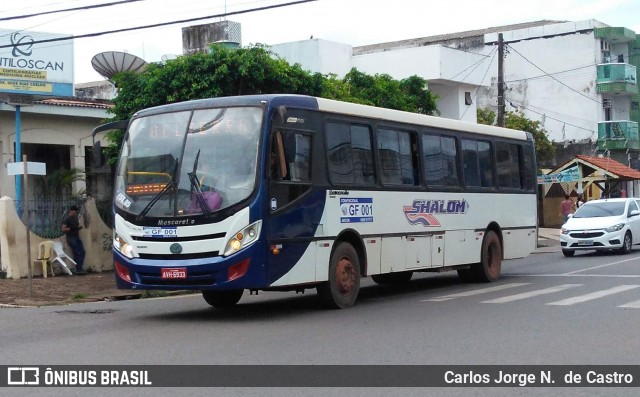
x: 354, y: 22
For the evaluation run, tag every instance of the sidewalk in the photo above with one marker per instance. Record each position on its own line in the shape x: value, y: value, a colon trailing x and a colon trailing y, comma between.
x: 62, y: 289
x: 548, y: 240
x: 93, y: 287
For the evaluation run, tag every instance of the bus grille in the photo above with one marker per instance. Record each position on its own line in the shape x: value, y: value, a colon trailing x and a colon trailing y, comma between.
x: 195, y: 255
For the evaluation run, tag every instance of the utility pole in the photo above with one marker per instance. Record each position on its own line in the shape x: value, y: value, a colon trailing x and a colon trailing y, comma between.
x: 500, y: 118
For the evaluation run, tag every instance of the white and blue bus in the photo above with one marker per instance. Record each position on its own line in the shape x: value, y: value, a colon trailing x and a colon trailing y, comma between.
x: 289, y: 192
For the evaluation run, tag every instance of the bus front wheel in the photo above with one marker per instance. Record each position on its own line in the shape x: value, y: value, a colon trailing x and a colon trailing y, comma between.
x: 341, y: 290
x: 490, y: 259
x: 222, y: 299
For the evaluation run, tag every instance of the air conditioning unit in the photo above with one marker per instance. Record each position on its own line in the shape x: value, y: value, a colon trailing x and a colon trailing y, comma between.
x: 606, y: 103
x: 604, y: 46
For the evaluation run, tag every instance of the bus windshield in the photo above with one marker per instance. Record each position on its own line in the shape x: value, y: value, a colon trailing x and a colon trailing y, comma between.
x: 188, y: 163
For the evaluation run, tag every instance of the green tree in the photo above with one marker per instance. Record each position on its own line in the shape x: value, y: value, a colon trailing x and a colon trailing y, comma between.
x: 516, y: 120
x: 255, y: 70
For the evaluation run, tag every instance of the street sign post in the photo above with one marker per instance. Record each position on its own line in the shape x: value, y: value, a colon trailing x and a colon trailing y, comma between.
x: 25, y: 168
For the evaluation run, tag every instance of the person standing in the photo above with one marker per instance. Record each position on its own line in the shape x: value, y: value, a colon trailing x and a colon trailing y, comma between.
x: 567, y: 207
x: 71, y: 227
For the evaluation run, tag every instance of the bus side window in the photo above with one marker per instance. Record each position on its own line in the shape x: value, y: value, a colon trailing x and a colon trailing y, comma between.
x: 290, y: 167
x: 290, y: 157
x: 277, y: 161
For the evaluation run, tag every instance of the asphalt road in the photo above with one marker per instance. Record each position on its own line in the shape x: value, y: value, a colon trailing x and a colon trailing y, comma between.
x: 546, y: 310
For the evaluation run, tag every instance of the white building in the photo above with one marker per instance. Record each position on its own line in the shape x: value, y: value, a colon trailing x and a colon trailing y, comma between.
x: 57, y: 132
x: 579, y: 79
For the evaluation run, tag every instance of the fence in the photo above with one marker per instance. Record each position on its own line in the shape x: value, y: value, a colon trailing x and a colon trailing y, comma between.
x: 45, y: 216
x: 45, y: 223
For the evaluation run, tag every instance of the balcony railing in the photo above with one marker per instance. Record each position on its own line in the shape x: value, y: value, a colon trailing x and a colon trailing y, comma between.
x: 616, y: 78
x: 615, y: 34
x: 618, y: 135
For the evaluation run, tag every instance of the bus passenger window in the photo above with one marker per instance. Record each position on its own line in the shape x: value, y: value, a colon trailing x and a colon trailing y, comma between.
x: 349, y: 154
x: 396, y: 158
x: 440, y: 160
x: 290, y: 157
x: 477, y: 162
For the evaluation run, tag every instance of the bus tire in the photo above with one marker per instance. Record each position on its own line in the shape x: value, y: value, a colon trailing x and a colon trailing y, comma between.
x: 222, y: 299
x: 398, y: 278
x: 341, y: 290
x: 490, y: 265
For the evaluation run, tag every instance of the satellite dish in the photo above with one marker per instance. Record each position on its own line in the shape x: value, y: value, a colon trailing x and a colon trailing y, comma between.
x: 109, y: 63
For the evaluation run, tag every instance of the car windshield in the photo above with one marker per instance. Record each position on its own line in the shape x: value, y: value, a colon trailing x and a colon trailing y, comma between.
x: 601, y: 209
x: 187, y: 163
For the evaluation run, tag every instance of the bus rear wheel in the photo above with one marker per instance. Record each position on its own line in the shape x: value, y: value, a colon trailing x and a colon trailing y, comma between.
x: 341, y: 290
x: 398, y: 278
x: 490, y: 259
x: 222, y: 299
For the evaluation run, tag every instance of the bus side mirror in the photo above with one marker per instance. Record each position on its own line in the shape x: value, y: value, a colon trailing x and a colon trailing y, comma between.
x: 97, y: 154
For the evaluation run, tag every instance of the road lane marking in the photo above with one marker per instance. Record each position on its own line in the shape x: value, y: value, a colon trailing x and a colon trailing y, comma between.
x: 605, y: 265
x: 475, y: 292
x: 531, y: 294
x: 632, y: 305
x: 593, y: 295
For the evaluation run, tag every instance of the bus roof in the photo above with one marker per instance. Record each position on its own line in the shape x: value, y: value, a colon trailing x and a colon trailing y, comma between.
x: 339, y: 107
x: 415, y: 118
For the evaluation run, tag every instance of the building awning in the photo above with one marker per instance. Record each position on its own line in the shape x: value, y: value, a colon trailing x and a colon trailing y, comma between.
x: 604, y: 172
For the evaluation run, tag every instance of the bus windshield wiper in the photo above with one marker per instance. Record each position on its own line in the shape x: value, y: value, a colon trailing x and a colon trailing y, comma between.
x: 197, y: 190
x: 171, y: 184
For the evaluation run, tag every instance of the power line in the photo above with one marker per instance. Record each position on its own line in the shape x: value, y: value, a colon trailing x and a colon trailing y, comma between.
x: 552, y: 118
x: 474, y: 65
x: 481, y: 81
x: 67, y: 10
x: 565, y: 85
x: 548, y: 75
x: 164, y: 23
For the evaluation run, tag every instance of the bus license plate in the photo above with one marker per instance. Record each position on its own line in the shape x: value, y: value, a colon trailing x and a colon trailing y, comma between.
x: 585, y: 242
x: 174, y: 272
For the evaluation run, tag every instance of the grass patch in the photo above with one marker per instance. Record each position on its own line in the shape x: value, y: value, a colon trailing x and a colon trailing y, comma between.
x: 150, y: 293
x: 79, y: 296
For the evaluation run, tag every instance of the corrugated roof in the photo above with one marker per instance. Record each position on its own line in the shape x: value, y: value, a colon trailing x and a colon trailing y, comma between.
x: 611, y: 166
x: 76, y: 102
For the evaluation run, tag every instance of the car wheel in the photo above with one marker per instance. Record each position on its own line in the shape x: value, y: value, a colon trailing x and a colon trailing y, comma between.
x: 626, y: 243
x: 568, y: 253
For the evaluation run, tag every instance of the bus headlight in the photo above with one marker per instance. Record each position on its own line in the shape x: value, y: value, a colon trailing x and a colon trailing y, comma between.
x: 243, y: 238
x: 121, y: 245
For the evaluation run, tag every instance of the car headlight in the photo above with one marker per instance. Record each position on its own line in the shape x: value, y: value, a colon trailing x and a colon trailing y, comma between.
x: 614, y: 228
x: 243, y: 238
x: 565, y: 231
x: 121, y: 245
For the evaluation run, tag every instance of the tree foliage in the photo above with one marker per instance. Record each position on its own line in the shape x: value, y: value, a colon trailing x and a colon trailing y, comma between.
x: 255, y: 70
x: 516, y: 120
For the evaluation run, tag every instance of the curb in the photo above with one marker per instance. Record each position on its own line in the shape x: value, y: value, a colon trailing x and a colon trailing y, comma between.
x: 116, y: 296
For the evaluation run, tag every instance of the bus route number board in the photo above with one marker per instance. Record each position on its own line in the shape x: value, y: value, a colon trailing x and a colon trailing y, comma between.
x: 160, y: 232
x: 356, y: 209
